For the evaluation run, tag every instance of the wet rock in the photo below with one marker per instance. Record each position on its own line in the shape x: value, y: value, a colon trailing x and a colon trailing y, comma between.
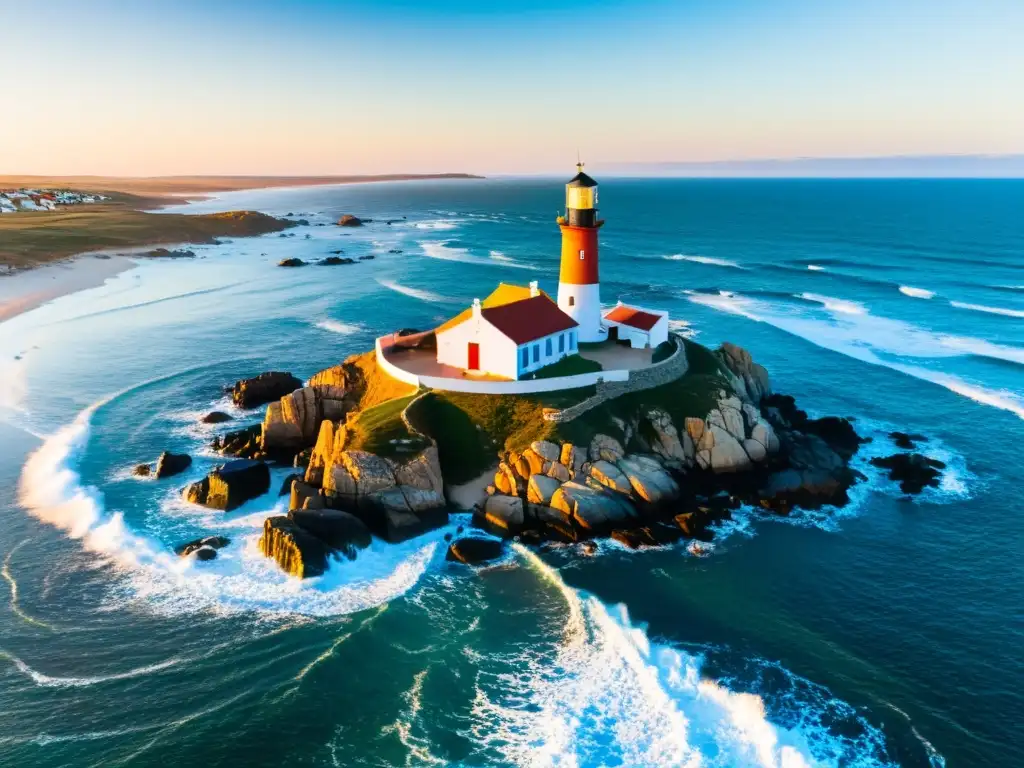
x: 395, y: 250
x: 348, y: 220
x: 334, y: 261
x: 339, y: 530
x: 654, y: 535
x: 262, y: 389
x: 170, y: 464
x: 286, y: 486
x: 215, y: 417
x: 905, y: 441
x: 913, y: 471
x: 504, y: 513
x: 293, y: 262
x: 246, y: 443
x: 142, y: 470
x: 231, y: 485
x: 211, y: 542
x: 473, y: 550
x: 206, y: 553
x: 298, y: 552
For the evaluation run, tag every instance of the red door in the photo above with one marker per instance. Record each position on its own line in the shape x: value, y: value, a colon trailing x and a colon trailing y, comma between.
x: 474, y: 356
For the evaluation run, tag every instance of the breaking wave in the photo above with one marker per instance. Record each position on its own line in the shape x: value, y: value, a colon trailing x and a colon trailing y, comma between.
x: 916, y: 293
x: 612, y: 696
x: 240, y: 579
x: 816, y: 268
x: 707, y: 260
x: 989, y: 310
x: 834, y: 304
x: 876, y: 340
x: 48, y: 681
x: 336, y: 326
x: 415, y: 293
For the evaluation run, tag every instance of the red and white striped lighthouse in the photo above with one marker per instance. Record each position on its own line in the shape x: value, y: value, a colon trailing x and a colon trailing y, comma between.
x: 579, y: 290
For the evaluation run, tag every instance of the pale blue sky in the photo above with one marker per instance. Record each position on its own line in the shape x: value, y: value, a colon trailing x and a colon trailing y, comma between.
x: 211, y: 86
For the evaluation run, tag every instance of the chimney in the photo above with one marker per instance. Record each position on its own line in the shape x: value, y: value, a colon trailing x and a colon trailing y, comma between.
x: 534, y: 289
x: 476, y: 308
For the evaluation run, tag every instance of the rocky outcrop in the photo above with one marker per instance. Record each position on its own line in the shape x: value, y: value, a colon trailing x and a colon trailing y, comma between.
x: 215, y: 417
x: 231, y: 485
x: 905, y: 441
x: 348, y: 220
x: 170, y: 464
x: 339, y: 530
x: 142, y: 470
x: 293, y: 262
x: 245, y: 443
x: 472, y: 550
x: 262, y: 389
x: 298, y: 552
x: 204, y: 548
x: 334, y: 261
x: 293, y: 421
x: 748, y: 379
x: 913, y: 471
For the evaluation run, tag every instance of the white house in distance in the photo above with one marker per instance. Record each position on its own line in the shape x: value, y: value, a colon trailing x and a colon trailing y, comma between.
x: 513, y: 332
x: 640, y: 327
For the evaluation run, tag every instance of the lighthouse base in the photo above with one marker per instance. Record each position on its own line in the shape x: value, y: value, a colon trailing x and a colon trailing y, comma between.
x: 583, y: 304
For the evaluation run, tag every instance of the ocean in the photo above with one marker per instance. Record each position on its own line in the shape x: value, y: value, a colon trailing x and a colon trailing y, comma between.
x: 887, y: 633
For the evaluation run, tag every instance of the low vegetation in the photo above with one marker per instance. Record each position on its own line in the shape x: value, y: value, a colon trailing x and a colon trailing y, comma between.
x: 381, y: 430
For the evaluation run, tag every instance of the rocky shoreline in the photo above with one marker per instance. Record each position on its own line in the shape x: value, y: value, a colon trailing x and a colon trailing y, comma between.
x: 648, y: 478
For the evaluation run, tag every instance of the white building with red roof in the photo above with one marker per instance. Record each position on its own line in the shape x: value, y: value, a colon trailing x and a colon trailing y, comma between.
x: 639, y: 326
x: 512, y: 333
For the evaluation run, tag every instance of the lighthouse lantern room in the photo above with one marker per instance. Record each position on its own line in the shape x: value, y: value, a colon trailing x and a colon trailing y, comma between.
x: 579, y: 291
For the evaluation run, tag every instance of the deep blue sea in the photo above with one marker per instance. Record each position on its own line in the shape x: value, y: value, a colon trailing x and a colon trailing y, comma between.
x: 890, y: 632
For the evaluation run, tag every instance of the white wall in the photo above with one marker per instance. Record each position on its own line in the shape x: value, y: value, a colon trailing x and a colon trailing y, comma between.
x: 585, y: 309
x: 546, y: 359
x: 497, y: 351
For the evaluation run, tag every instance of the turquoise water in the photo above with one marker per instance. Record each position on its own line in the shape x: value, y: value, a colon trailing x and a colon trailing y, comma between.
x: 887, y: 633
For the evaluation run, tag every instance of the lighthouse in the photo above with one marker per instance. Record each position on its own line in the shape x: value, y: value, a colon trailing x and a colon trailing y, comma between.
x: 579, y: 291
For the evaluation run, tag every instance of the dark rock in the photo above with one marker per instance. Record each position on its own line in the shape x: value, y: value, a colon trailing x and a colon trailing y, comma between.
x: 332, y: 261
x: 337, y: 252
x: 304, y: 496
x: 837, y: 432
x: 216, y: 417
x: 286, y: 486
x: 302, y: 458
x: 912, y: 471
x: 693, y: 525
x: 163, y: 253
x: 231, y: 485
x: 298, y: 552
x: 447, y: 537
x: 206, y: 553
x: 654, y: 535
x: 348, y: 220
x: 246, y: 443
x: 213, y: 542
x: 589, y: 548
x: 293, y: 262
x: 395, y: 250
x: 337, y: 529
x: 907, y: 442
x: 142, y: 470
x: 472, y: 550
x: 400, y: 526
x: 170, y: 464
x: 265, y: 388
x: 367, y: 257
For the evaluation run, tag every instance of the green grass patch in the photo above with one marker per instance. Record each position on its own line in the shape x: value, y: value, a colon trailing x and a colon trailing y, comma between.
x: 571, y: 365
x: 380, y: 430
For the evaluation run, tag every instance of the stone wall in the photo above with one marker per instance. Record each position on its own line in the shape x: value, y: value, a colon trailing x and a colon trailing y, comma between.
x: 656, y: 375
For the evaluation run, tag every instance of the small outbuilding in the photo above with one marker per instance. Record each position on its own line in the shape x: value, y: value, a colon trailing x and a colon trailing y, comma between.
x: 513, y: 332
x: 639, y: 326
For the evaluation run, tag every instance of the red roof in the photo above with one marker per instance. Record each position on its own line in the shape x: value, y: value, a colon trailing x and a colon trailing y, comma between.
x: 528, y: 319
x: 635, y: 318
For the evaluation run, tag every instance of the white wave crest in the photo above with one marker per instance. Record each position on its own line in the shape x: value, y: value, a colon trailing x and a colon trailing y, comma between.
x: 336, y: 326
x: 416, y: 293
x: 707, y: 260
x: 916, y: 293
x: 439, y: 224
x: 835, y: 305
x: 49, y: 681
x: 816, y: 268
x: 990, y: 310
x: 614, y: 697
x: 866, y: 337
x: 240, y: 579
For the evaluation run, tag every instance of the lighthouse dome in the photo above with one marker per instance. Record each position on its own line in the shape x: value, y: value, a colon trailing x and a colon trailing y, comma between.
x: 581, y: 180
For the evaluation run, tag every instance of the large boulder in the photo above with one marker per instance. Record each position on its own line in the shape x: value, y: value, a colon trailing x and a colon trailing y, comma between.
x: 665, y: 439
x: 331, y: 383
x: 726, y: 453
x: 215, y: 417
x: 472, y: 550
x: 293, y: 421
x: 348, y: 220
x: 246, y: 443
x: 540, y: 489
x: 339, y: 530
x: 610, y: 476
x: 298, y: 552
x: 505, y: 513
x: 229, y: 486
x: 591, y: 509
x: 546, y: 450
x: 172, y: 464
x: 654, y: 535
x: 212, y: 542
x: 606, y: 448
x: 262, y: 389
x: 648, y: 479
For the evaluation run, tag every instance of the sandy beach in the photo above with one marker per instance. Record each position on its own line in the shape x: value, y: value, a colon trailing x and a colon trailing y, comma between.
x: 24, y: 290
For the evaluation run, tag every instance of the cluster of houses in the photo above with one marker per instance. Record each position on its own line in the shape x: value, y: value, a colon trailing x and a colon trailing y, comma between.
x: 15, y: 200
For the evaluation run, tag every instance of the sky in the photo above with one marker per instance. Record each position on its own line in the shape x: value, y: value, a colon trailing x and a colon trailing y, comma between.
x: 151, y: 87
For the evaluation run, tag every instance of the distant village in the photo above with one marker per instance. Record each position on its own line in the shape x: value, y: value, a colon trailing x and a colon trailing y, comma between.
x: 15, y: 200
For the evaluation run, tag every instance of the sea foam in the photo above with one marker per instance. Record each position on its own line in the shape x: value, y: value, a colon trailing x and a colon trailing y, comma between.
x: 612, y: 696
x: 916, y: 293
x: 415, y: 293
x: 989, y: 310
x: 706, y: 260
